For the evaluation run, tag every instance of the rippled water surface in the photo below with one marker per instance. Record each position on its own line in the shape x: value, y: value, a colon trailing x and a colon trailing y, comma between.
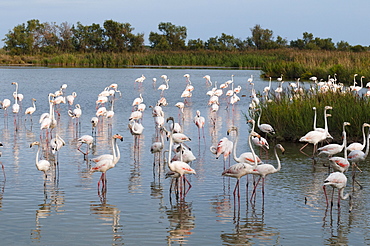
x: 137, y: 208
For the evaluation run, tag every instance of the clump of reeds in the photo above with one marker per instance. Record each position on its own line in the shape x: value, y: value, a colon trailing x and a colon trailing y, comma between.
x: 291, y: 113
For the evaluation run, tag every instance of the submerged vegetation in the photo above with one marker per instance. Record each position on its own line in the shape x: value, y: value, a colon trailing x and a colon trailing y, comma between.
x: 115, y: 45
x: 291, y: 112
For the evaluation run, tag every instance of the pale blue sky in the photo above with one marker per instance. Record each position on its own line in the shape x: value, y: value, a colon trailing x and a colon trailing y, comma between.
x: 337, y: 19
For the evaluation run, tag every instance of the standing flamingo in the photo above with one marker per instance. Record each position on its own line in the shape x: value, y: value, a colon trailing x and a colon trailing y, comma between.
x: 179, y: 167
x: 88, y: 141
x: 224, y: 147
x: 41, y: 165
x: 314, y: 137
x: 265, y: 169
x: 199, y: 122
x: 359, y: 146
x: 208, y: 79
x: 336, y: 180
x: 332, y: 149
x: 246, y: 157
x: 266, y: 128
x: 341, y: 164
x: 106, y: 162
x: 241, y: 169
x: 355, y: 156
x: 31, y: 110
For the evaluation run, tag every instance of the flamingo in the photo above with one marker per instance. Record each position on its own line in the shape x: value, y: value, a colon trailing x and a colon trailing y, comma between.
x: 314, y: 137
x: 199, y: 122
x: 208, y: 79
x: 267, y: 89
x: 246, y: 157
x: 355, y: 156
x: 265, y: 169
x: 32, y: 109
x: 359, y: 146
x: 314, y: 122
x: 76, y: 114
x: 184, y: 154
x: 224, y: 147
x: 88, y: 141
x: 5, y: 104
x: 157, y: 146
x: 241, y: 169
x: 332, y: 149
x: 140, y: 80
x: 179, y: 167
x: 230, y: 80
x: 261, y: 142
x: 341, y: 164
x: 56, y: 144
x: 94, y: 123
x: 106, y: 162
x: 41, y: 165
x: 71, y: 98
x: 136, y: 130
x: 165, y: 86
x: 336, y: 180
x: 266, y: 128
x: 137, y: 100
x: 15, y: 107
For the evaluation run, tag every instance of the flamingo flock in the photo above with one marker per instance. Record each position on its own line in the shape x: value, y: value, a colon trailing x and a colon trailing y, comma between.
x: 170, y: 135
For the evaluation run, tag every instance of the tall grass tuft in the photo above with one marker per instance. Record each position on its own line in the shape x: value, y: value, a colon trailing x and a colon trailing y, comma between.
x: 292, y: 115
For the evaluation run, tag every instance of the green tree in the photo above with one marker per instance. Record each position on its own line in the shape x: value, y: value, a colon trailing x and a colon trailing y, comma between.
x: 23, y: 39
x: 65, y: 37
x: 196, y: 44
x: 262, y: 38
x: 172, y: 37
x: 117, y: 35
x: 343, y: 46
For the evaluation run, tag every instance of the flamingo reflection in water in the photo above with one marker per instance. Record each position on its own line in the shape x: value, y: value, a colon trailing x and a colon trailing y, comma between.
x: 182, y: 222
x: 109, y: 215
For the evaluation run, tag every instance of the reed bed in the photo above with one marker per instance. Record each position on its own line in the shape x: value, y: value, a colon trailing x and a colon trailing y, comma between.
x: 290, y: 62
x: 291, y: 114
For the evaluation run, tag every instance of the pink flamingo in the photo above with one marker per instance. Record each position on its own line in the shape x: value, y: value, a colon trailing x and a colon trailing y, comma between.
x: 106, y: 162
x: 337, y: 180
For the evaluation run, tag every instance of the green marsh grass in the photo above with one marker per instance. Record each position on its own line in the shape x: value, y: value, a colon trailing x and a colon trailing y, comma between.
x: 292, y: 115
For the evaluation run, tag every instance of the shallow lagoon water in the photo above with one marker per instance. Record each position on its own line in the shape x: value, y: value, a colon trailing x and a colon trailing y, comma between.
x: 137, y: 208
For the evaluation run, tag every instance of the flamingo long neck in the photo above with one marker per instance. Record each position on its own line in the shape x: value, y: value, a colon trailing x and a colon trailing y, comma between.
x: 326, y: 121
x: 235, y: 144
x: 34, y: 105
x: 345, y: 144
x: 367, y: 143
x: 342, y: 196
x: 252, y: 150
x: 278, y: 160
x: 363, y: 135
x: 170, y: 151
x: 37, y: 154
x: 16, y: 93
x: 259, y: 119
x: 116, y: 152
x: 314, y: 120
x: 270, y: 83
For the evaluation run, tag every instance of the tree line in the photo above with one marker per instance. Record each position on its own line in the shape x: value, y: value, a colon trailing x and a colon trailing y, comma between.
x: 34, y: 37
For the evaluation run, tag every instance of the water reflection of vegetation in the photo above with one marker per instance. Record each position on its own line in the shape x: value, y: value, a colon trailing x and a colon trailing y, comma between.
x: 182, y: 221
